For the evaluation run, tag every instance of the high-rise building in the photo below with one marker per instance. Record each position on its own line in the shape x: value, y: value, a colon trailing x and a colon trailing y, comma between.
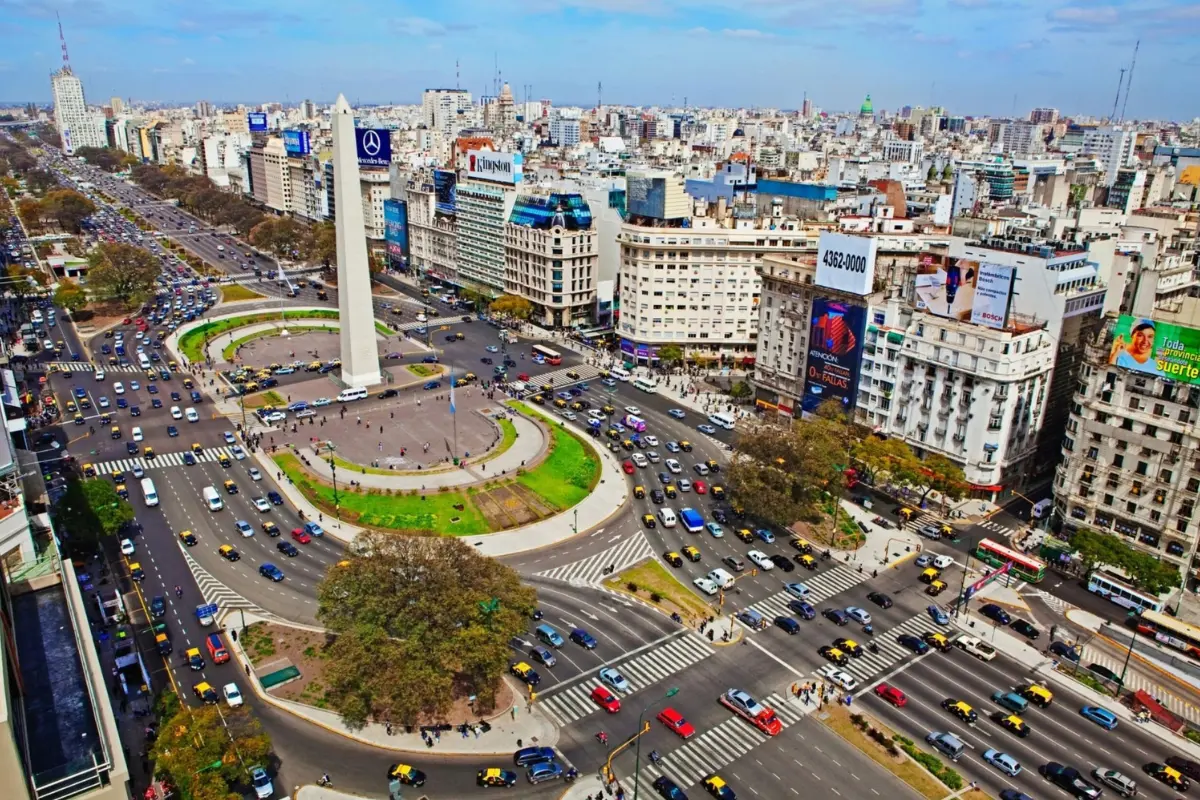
x: 806, y: 108
x: 1113, y: 145
x: 551, y: 256
x: 483, y: 209
x: 308, y: 109
x: 446, y: 110
x: 564, y: 132
x: 1043, y: 116
x: 75, y: 124
x: 117, y: 105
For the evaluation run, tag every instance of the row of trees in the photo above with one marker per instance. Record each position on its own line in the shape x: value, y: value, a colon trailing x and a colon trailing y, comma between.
x: 91, y: 509
x: 784, y: 473
x: 109, y: 159
x: 66, y: 208
x: 198, y: 195
x: 1104, y: 549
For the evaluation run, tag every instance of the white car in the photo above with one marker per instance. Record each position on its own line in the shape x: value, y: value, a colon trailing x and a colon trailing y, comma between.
x: 308, y: 412
x: 321, y: 401
x: 705, y: 585
x: 941, y: 562
x: 255, y: 475
x: 261, y: 504
x: 119, y: 387
x: 100, y: 375
x: 650, y: 441
x: 137, y: 435
x: 127, y: 548
x: 191, y: 415
x: 275, y: 416
x: 639, y: 459
x: 633, y: 410
x: 238, y: 452
x: 761, y: 559
x: 673, y: 466
x: 229, y: 437
x: 840, y: 678
x: 138, y: 472
x: 615, y: 679
x: 233, y: 695
x: 176, y: 413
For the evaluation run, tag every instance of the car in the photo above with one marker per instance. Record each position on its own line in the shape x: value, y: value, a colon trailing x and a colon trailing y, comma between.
x: 1104, y: 672
x: 543, y: 771
x: 938, y: 615
x: 325, y: 401
x: 131, y: 448
x: 616, y: 680
x: 1119, y: 783
x: 840, y: 678
x: 263, y: 788
x: 836, y: 616
x: 275, y: 498
x: 195, y: 661
x: 261, y: 504
x: 205, y: 692
x: 243, y: 527
x: 271, y: 571
x: 127, y: 547
x: 288, y: 549
x: 714, y: 530
x: 158, y: 606
x: 1025, y: 628
x: 1064, y: 650
x: 1003, y: 762
x: 172, y: 430
x: 673, y: 466
x: 673, y: 558
x: 523, y: 672
x: 700, y: 487
x: 604, y: 698
x: 227, y: 552
x: 832, y: 654
x: 136, y: 572
x: 189, y: 459
x: 761, y: 559
x: 668, y: 789
x: 891, y: 694
x: 271, y: 529
x: 848, y: 646
x: 233, y: 695
x: 706, y: 428
x: 584, y: 639
x: 227, y: 435
x: 859, y: 615
x: 783, y: 563
x: 961, y: 710
x: 802, y: 609
x: 406, y: 774
x: 649, y: 521
x: 496, y: 777
x: 152, y: 389
x: 628, y: 467
x: 930, y: 531
x: 995, y: 613
x: 102, y: 402
x: 313, y: 529
x: 254, y: 474
x: 301, y: 536
x: 880, y: 599
x: 706, y: 586
x: 764, y: 534
x: 1070, y: 779
x: 156, y: 403
x: 672, y: 447
x: 1011, y: 723
x: 787, y: 624
x: 924, y: 560
x: 677, y: 413
x: 1101, y: 716
x: 716, y: 786
x: 691, y: 553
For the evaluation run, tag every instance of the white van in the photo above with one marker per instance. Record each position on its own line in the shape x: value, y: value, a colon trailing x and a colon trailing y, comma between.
x: 212, y: 499
x: 1041, y: 508
x: 667, y: 517
x: 722, y: 420
x: 721, y: 578
x: 191, y: 415
x: 357, y: 393
x: 149, y: 491
x: 620, y: 374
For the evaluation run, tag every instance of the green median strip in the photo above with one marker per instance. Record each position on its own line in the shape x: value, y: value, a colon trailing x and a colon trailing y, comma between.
x: 650, y: 581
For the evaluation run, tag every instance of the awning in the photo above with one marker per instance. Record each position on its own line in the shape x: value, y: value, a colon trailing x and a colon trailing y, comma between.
x: 895, y: 337
x: 11, y: 396
x: 995, y: 487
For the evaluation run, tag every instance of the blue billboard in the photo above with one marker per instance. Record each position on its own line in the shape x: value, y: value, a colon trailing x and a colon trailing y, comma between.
x: 445, y: 189
x: 257, y: 120
x: 395, y: 227
x: 374, y: 146
x: 834, y: 354
x: 297, y: 143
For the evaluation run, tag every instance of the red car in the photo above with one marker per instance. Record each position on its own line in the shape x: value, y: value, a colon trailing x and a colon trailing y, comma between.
x: 700, y: 487
x: 524, y: 376
x: 676, y: 723
x: 127, y: 321
x: 300, y: 536
x: 628, y: 467
x: 606, y: 699
x: 891, y: 694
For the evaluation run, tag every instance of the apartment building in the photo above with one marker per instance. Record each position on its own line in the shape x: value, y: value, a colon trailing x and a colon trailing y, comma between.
x: 552, y: 256
x: 375, y: 185
x: 270, y: 175
x: 432, y: 235
x: 483, y: 211
x: 446, y: 110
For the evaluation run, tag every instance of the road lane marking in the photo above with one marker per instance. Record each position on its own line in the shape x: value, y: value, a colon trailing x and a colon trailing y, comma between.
x: 789, y: 667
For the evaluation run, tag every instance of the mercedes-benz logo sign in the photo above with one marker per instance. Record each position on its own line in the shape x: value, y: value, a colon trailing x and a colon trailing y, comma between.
x: 371, y: 143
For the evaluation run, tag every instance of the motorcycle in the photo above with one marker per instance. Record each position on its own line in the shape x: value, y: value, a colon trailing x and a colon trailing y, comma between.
x: 571, y: 775
x: 873, y: 648
x: 869, y: 630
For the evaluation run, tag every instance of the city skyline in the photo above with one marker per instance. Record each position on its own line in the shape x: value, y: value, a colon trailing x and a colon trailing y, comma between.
x: 770, y: 54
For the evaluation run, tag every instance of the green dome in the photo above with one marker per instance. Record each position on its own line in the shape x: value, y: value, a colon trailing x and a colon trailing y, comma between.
x: 866, y: 106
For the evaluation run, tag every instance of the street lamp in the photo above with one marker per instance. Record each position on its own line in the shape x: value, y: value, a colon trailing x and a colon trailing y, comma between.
x: 637, y: 750
x: 337, y: 506
x: 1133, y: 612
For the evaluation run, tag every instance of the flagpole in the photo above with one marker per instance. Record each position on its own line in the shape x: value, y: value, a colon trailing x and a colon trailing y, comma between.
x: 453, y: 415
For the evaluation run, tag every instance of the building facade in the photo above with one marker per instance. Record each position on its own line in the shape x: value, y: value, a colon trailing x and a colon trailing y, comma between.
x: 483, y: 210
x: 552, y: 256
x: 446, y: 110
x: 74, y: 122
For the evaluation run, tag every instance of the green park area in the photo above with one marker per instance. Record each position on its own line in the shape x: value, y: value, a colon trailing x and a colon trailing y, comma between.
x: 423, y: 370
x: 191, y: 344
x: 569, y: 472
x: 233, y: 292
x: 649, y: 581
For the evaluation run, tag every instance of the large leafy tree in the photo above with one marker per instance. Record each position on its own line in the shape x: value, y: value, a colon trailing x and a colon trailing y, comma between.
x: 882, y: 459
x: 70, y: 295
x: 323, y: 246
x: 670, y: 354
x: 283, y: 236
x: 417, y: 621
x: 206, y: 752
x: 40, y: 181
x: 68, y: 207
x: 1095, y: 549
x: 91, y: 509
x: 31, y: 209
x: 106, y: 158
x: 940, y: 474
x: 23, y: 281
x: 510, y: 305
x: 122, y: 272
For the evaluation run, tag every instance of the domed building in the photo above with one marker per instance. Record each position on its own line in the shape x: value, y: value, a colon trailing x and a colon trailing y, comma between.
x: 866, y: 109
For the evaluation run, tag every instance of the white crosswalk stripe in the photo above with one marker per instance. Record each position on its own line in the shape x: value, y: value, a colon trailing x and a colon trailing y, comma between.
x: 707, y: 752
x: 160, y: 460
x: 589, y: 571
x: 643, y: 670
x: 1135, y: 680
x: 1053, y: 602
x: 891, y: 652
x: 84, y: 366
x: 559, y: 377
x: 833, y: 581
x: 213, y: 591
x: 997, y: 528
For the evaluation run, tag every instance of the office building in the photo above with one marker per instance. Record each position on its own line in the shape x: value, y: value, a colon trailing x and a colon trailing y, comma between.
x: 446, y: 110
x: 551, y: 256
x: 72, y: 120
x: 432, y: 232
x: 903, y: 151
x: 1044, y: 116
x: 483, y: 210
x: 117, y: 105
x: 564, y: 132
x: 270, y: 175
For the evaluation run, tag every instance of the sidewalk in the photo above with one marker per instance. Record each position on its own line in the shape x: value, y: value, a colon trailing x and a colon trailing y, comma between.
x: 884, y: 547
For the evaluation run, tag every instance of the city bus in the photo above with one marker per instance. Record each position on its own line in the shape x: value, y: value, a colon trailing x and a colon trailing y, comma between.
x: 552, y: 357
x: 1112, y: 587
x: 1025, y: 567
x: 649, y: 387
x: 1170, y: 631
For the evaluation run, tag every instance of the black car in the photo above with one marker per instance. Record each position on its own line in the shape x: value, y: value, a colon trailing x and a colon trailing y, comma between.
x: 880, y: 599
x: 1069, y: 779
x: 288, y: 549
x: 783, y: 563
x: 386, y: 393
x: 657, y: 496
x: 275, y: 498
x: 836, y: 616
x: 720, y: 516
x: 158, y: 606
x: 996, y: 614
x: 668, y: 788
x: 131, y: 448
x: 1105, y: 673
x: 135, y: 411
x: 1025, y: 628
x: 1064, y: 650
x: 450, y: 337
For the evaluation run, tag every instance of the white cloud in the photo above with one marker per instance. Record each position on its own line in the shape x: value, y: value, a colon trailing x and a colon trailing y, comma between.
x: 746, y: 33
x: 187, y: 62
x: 423, y: 26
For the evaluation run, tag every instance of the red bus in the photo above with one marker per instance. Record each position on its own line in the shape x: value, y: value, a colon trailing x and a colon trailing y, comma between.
x: 552, y: 357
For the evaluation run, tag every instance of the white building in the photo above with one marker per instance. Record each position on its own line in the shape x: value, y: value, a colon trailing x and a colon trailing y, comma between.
x: 376, y: 187
x: 446, y: 110
x: 483, y: 211
x: 75, y: 124
x: 432, y: 236
x: 552, y: 255
x: 1113, y: 145
x: 901, y: 150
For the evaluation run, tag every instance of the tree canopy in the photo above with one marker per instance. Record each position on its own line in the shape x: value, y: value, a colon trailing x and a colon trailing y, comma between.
x: 40, y: 181
x: 109, y: 159
x: 198, y: 194
x: 670, y: 354
x: 283, y: 236
x: 70, y: 295
x: 122, y: 272
x: 206, y: 752
x: 1095, y: 549
x: 418, y: 621
x: 511, y: 305
x: 91, y: 509
x: 68, y: 208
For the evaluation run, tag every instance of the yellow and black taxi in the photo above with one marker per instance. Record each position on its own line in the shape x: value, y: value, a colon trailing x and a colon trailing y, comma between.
x: 806, y: 561
x: 205, y: 692
x: 406, y: 774
x: 117, y: 475
x: 525, y: 673
x: 713, y: 465
x: 162, y: 642
x: 573, y: 374
x: 673, y: 558
x: 194, y: 659
x: 930, y: 575
x: 1037, y: 694
x: 560, y: 403
x: 745, y: 534
x: 613, y: 433
x: 460, y: 336
x: 802, y: 545
x: 540, y: 399
x: 225, y: 461
x: 115, y: 432
x: 136, y: 572
x: 935, y: 588
x: 1168, y: 775
x: 579, y: 405
x: 188, y: 383
x: 495, y: 776
x: 122, y: 491
x: 78, y: 419
x: 270, y: 528
x: 89, y: 470
x: 196, y: 448
x: 71, y: 407
x: 230, y: 487
x: 718, y: 788
x: 649, y: 521
x: 229, y: 552
x: 849, y: 646
x: 960, y: 709
x: 831, y: 653
x: 685, y: 446
x: 937, y: 641
x: 627, y: 444
x: 188, y: 538
x: 671, y: 491
x: 607, y: 410
x: 547, y: 387
x: 106, y: 419
x: 639, y: 492
x: 1012, y: 723
x: 691, y: 554
x: 147, y: 452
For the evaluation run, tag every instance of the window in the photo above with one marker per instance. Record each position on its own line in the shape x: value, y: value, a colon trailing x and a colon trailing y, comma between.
x: 1142, y: 466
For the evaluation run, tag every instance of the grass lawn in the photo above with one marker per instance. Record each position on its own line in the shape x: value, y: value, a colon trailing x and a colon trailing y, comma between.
x: 652, y: 578
x: 235, y: 291
x: 228, y: 351
x: 423, y: 370
x: 192, y: 342
x: 384, y: 330
x: 568, y: 473
x: 431, y: 513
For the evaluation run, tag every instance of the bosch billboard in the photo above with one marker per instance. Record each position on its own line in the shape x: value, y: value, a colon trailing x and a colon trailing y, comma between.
x: 499, y: 167
x: 257, y: 121
x: 374, y: 146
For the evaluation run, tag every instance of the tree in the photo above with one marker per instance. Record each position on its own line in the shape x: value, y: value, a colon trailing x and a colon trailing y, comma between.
x: 91, y: 509
x: 31, y: 210
x: 122, y: 272
x: 68, y: 207
x: 283, y: 236
x: 881, y: 459
x: 40, y: 181
x: 323, y: 245
x: 932, y: 174
x: 70, y: 295
x: 23, y: 281
x: 205, y: 752
x: 947, y: 172
x: 510, y: 305
x: 1095, y: 549
x: 418, y: 621
x: 740, y: 390
x: 1150, y: 574
x: 938, y: 473
x: 670, y: 354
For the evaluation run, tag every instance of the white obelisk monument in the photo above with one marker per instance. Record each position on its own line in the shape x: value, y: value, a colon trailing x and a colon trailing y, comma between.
x: 360, y: 354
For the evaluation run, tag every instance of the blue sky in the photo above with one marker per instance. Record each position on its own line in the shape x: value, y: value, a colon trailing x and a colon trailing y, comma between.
x: 973, y: 56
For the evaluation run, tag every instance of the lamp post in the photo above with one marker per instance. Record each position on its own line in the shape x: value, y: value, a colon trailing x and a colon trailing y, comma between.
x: 637, y: 750
x: 337, y: 506
x: 1133, y: 612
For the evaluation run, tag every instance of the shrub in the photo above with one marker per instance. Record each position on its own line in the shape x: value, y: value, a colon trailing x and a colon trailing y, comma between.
x: 655, y: 597
x: 631, y: 586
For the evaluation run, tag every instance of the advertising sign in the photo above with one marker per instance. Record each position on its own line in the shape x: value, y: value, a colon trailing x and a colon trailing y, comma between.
x: 846, y: 263
x: 489, y: 166
x: 445, y: 187
x: 395, y: 227
x: 834, y: 354
x: 1157, y: 348
x: 965, y: 290
x: 257, y: 120
x: 296, y: 143
x: 67, y: 147
x: 374, y: 146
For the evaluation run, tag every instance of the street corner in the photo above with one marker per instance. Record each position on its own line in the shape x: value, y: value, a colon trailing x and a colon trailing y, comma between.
x: 1084, y: 619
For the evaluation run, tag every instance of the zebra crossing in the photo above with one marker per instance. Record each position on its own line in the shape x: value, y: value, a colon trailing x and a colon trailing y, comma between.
x: 588, y: 571
x: 643, y: 670
x: 869, y: 664
x: 832, y: 581
x: 161, y: 460
x: 213, y: 591
x: 560, y: 378
x: 707, y: 752
x: 998, y: 529
x: 85, y: 366
x: 1135, y: 680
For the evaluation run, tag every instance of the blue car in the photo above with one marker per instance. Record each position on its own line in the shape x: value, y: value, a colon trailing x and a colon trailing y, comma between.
x: 271, y: 571
x: 313, y: 529
x: 677, y: 413
x: 189, y: 459
x: 532, y: 755
x: 543, y: 771
x: 429, y: 360
x: 912, y: 643
x: 1003, y: 762
x: 668, y: 789
x: 996, y: 614
x: 80, y: 392
x: 937, y: 615
x: 788, y: 624
x: 122, y: 402
x: 765, y: 535
x: 715, y: 530
x: 584, y: 639
x: 802, y: 609
x: 1101, y: 716
x: 433, y: 385
x: 706, y: 428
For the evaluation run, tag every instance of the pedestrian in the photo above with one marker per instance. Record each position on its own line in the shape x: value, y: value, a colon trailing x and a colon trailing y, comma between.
x: 381, y: 429
x: 359, y: 421
x: 476, y: 731
x: 463, y: 730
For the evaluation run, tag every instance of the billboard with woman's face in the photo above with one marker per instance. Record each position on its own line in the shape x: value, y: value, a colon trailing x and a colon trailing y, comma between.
x: 1156, y: 348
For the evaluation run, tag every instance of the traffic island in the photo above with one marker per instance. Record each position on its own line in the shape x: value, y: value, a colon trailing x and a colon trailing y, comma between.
x: 236, y: 293
x: 650, y: 583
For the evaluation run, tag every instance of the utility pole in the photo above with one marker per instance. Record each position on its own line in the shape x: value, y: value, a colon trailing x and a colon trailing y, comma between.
x: 1129, y: 82
x: 1112, y: 117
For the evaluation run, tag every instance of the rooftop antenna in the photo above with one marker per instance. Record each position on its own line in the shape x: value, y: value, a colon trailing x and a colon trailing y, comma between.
x: 1129, y: 82
x: 599, y: 94
x: 1117, y: 99
x: 495, y: 73
x: 457, y: 84
x: 63, y: 39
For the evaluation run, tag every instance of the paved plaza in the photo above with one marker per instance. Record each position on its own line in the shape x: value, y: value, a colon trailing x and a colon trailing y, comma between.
x: 310, y: 345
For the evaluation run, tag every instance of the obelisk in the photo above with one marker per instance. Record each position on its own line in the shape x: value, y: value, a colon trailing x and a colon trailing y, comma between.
x: 360, y: 354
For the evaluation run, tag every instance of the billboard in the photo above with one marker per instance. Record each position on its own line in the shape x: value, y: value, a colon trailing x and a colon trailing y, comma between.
x: 834, y: 354
x: 1157, y: 348
x: 445, y: 188
x: 257, y: 120
x: 67, y: 147
x: 489, y: 166
x: 374, y: 146
x: 296, y: 143
x: 846, y: 263
x: 395, y: 227
x: 965, y: 290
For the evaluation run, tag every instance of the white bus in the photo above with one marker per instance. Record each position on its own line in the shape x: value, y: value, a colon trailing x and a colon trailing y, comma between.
x: 150, y: 492
x: 143, y: 361
x: 722, y: 420
x: 620, y: 374
x: 649, y: 387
